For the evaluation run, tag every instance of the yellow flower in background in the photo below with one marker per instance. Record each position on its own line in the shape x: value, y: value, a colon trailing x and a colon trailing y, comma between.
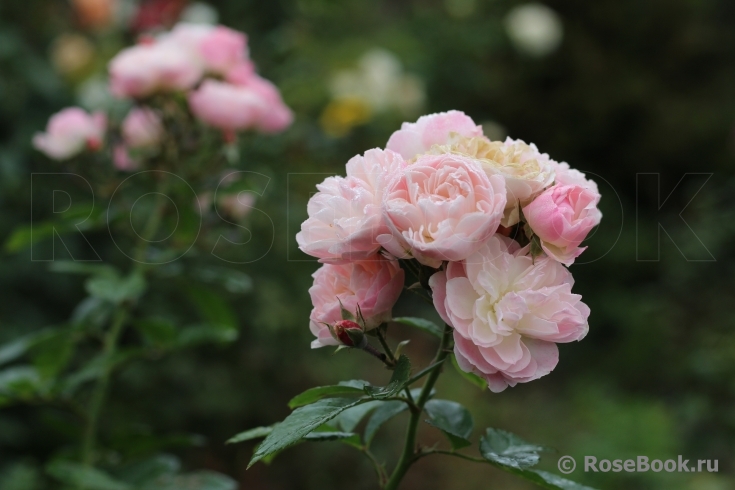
x: 71, y: 53
x: 378, y: 84
x: 341, y: 115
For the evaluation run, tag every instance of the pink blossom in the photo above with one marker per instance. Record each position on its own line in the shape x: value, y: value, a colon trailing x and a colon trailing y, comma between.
x: 226, y: 106
x: 442, y: 207
x: 122, y: 160
x: 71, y: 131
x: 508, y: 312
x: 435, y: 129
x: 571, y: 176
x: 561, y: 217
x: 144, y: 69
x: 142, y: 128
x: 222, y: 49
x: 373, y: 284
x: 278, y: 116
x: 345, y: 216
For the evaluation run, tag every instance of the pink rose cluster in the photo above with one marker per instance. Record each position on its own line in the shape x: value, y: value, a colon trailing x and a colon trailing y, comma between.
x: 494, y: 222
x: 211, y: 65
x: 208, y: 65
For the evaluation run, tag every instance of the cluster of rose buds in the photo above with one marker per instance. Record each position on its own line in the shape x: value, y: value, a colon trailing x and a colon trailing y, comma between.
x: 209, y: 65
x: 493, y: 222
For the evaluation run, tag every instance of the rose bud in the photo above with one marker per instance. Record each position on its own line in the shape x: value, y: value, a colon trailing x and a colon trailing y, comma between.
x: 350, y: 333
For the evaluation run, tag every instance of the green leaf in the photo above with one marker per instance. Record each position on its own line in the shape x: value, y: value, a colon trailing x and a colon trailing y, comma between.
x: 398, y: 380
x: 232, y: 280
x: 313, y: 394
x: 301, y: 422
x: 90, y: 268
x: 156, y: 331
x: 80, y: 476
x: 20, y: 476
x: 248, y: 435
x: 512, y: 454
x: 384, y: 413
x: 148, y: 470
x: 451, y: 418
x: 507, y: 449
x: 350, y: 418
x: 212, y: 307
x: 333, y: 436
x: 420, y: 323
x: 471, y: 377
x: 200, y: 480
x: 18, y: 347
x: 116, y: 289
x: 25, y: 236
x: 19, y: 382
x: 203, y: 334
x: 93, y: 312
x: 53, y: 351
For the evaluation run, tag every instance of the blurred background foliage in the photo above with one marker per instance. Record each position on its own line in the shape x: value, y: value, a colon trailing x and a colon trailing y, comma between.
x: 616, y: 88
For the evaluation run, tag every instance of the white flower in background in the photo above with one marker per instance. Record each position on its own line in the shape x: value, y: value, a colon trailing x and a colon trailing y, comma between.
x: 380, y: 82
x: 534, y: 29
x: 199, y: 13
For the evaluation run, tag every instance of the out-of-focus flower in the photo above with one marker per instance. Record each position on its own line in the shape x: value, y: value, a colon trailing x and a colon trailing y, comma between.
x: 154, y: 14
x: 416, y: 138
x: 236, y: 205
x: 141, y: 70
x: 534, y: 29
x: 71, y: 131
x: 374, y: 284
x: 142, y: 128
x: 442, y: 207
x: 234, y: 108
x: 341, y: 115
x: 508, y: 312
x: 223, y: 49
x: 345, y: 216
x: 94, y: 13
x: 378, y: 84
x: 122, y: 160
x: 527, y: 172
x: 71, y: 53
x: 562, y: 217
x: 199, y: 13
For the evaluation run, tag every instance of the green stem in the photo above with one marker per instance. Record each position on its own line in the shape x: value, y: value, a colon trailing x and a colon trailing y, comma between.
x: 392, y: 357
x: 409, y: 455
x: 113, y: 336
x: 98, y: 396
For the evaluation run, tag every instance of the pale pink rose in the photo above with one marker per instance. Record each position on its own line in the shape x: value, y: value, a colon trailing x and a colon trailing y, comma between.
x: 508, y: 312
x: 144, y: 69
x: 222, y: 49
x: 442, y: 207
x: 142, y: 128
x: 122, y: 160
x: 241, y: 73
x: 277, y: 116
x: 70, y: 132
x: 373, y: 284
x: 562, y: 217
x: 345, y: 216
x: 570, y: 176
x: 226, y: 106
x: 435, y: 129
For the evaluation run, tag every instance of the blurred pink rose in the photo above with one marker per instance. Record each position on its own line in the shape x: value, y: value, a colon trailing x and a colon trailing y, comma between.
x: 508, y: 312
x: 241, y: 73
x: 373, y: 284
x: 144, y: 69
x: 122, y: 159
x: 345, y: 216
x: 442, y: 207
x: 142, y: 128
x: 222, y: 49
x: 435, y: 129
x: 231, y: 107
x: 71, y: 131
x: 226, y: 106
x: 562, y: 216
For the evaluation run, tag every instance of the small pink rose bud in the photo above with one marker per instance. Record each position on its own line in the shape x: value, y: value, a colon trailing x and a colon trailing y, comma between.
x: 350, y: 333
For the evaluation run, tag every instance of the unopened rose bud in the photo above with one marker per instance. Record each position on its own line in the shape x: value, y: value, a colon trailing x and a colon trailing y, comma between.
x: 350, y: 333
